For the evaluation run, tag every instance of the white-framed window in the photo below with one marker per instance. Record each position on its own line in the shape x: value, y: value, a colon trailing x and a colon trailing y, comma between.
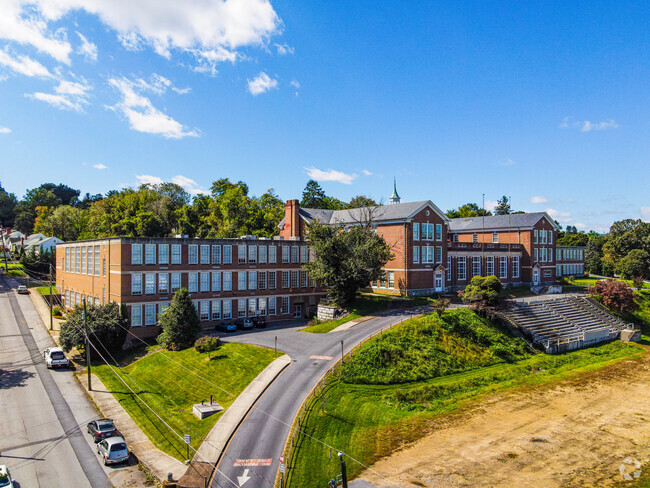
x: 448, y: 268
x: 382, y: 281
x: 91, y: 265
x: 204, y: 308
x: 193, y: 254
x: 474, y: 237
x: 515, y: 266
x: 416, y: 231
x: 495, y: 237
x: 272, y: 280
x: 272, y: 309
x: 252, y: 280
x: 544, y: 236
x: 227, y: 254
x: 461, y: 264
x: 241, y: 280
x: 163, y: 282
x: 303, y: 279
x: 176, y: 254
x: 227, y: 280
x: 104, y: 267
x: 391, y: 279
x: 252, y: 307
x: 226, y: 306
x: 193, y: 282
x: 273, y: 254
x: 438, y: 255
x: 216, y: 281
x: 454, y: 238
x: 136, y: 315
x: 176, y: 282
x: 150, y: 254
x: 252, y: 254
x: 503, y: 267
x: 427, y: 254
x: 535, y: 237
x: 136, y: 284
x: 150, y: 283
x: 285, y: 254
x: 67, y: 260
x: 304, y: 254
x: 136, y: 253
x: 83, y: 259
x: 205, y: 254
x: 550, y: 237
x: 261, y: 280
x: 261, y: 306
x: 295, y: 254
x: 416, y: 254
x: 241, y: 254
x: 427, y: 232
x: 544, y: 255
x: 476, y: 266
x: 163, y: 253
x: 438, y: 232
x: 241, y: 307
x: 150, y: 314
x: 205, y: 281
x: 97, y: 260
x: 550, y: 254
x: 216, y: 254
x: 284, y: 305
x: 489, y: 265
x: 536, y: 253
x: 216, y: 310
x: 294, y: 279
x: 285, y: 279
x: 262, y: 252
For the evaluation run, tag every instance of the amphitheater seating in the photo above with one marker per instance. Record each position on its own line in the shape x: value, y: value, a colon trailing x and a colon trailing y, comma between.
x: 563, y: 323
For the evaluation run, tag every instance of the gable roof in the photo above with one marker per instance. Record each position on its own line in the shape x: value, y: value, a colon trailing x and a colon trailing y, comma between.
x: 525, y: 220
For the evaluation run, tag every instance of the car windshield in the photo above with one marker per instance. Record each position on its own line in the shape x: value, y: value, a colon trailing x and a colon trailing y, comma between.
x: 103, y: 426
x: 58, y: 355
x: 4, y: 480
x: 120, y: 446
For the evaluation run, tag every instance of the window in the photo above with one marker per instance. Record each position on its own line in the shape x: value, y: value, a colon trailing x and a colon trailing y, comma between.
x: 427, y: 232
x: 176, y: 254
x: 455, y: 238
x: 295, y: 254
x: 136, y: 284
x: 261, y: 306
x: 382, y: 281
x: 205, y: 254
x: 241, y: 254
x: 391, y: 279
x: 427, y: 254
x: 205, y: 281
x: 550, y: 237
x: 438, y: 253
x: 136, y: 316
x: 227, y: 254
x: 294, y: 279
x: 104, y: 267
x: 536, y: 253
x: 303, y: 279
x: 216, y: 281
x: 91, y: 266
x: 216, y: 310
x: 474, y: 237
x: 252, y: 280
x: 97, y: 259
x: 103, y: 296
x: 548, y: 273
x: 284, y: 307
x: 77, y: 260
x: 67, y: 259
x: 304, y: 254
x: 448, y: 268
x: 535, y: 237
x: 216, y: 254
x: 515, y: 267
x: 416, y: 231
x: 193, y: 254
x: 544, y: 254
x: 272, y: 280
x: 163, y: 283
x: 285, y: 254
x: 241, y: 307
x: 176, y: 282
x: 252, y: 254
x: 150, y: 254
x: 262, y: 254
x: 476, y: 266
x: 204, y: 309
x: 150, y: 283
x: 252, y: 307
x: 227, y: 281
x: 495, y: 237
x: 136, y: 253
x: 193, y: 282
x: 489, y: 265
x: 416, y: 254
x: 285, y: 279
x: 438, y: 232
x: 83, y: 259
x: 163, y: 253
x: 544, y: 236
x: 462, y: 268
x: 503, y: 267
x: 150, y: 314
x: 550, y: 254
x: 227, y: 309
x: 273, y: 254
x: 241, y: 280
x: 272, y: 306
x: 261, y: 280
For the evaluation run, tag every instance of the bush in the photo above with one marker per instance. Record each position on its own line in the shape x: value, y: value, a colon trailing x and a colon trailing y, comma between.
x: 207, y: 344
x: 56, y: 311
x: 616, y: 295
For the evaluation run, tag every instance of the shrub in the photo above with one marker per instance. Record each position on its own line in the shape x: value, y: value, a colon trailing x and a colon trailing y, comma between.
x: 207, y: 344
x: 56, y: 311
x: 637, y: 281
x: 616, y: 295
x: 482, y: 291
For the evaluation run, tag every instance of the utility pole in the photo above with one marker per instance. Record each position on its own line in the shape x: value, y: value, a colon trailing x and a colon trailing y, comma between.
x: 341, y: 351
x: 344, y: 472
x: 90, y: 388
x: 50, y: 299
x: 275, y: 353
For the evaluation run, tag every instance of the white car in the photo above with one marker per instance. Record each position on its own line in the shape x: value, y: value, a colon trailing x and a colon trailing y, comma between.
x: 5, y: 477
x: 55, y: 358
x: 23, y: 290
x: 113, y: 450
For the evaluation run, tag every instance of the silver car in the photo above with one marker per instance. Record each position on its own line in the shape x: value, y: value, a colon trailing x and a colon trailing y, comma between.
x: 113, y: 450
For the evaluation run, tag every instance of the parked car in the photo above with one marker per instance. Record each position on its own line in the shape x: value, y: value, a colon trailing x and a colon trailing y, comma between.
x: 259, y: 322
x: 113, y: 450
x: 244, y: 323
x: 5, y: 477
x: 102, y: 429
x: 226, y: 327
x: 55, y: 358
x: 23, y: 290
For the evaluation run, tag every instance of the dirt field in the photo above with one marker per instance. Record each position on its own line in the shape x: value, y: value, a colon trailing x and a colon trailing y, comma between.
x: 589, y: 431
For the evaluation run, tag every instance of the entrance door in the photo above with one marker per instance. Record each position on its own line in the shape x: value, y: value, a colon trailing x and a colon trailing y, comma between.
x: 535, y: 277
x: 297, y: 310
x: 438, y: 282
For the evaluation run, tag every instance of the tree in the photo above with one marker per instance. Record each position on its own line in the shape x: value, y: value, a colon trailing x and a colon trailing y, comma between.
x: 467, y: 210
x: 635, y: 263
x: 313, y: 196
x: 573, y: 239
x: 482, y: 292
x: 8, y: 204
x: 637, y: 281
x: 106, y: 324
x: 361, y: 201
x: 346, y: 261
x: 594, y: 254
x: 180, y: 323
x: 65, y: 222
x: 503, y: 206
x: 616, y: 295
x: 625, y: 236
x: 440, y: 305
x: 38, y: 264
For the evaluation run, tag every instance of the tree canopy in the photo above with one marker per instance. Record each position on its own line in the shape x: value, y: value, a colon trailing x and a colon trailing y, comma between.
x: 107, y: 327
x: 467, y: 210
x: 180, y: 323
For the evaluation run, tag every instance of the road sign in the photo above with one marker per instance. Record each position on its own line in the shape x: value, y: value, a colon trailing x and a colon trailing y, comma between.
x: 283, y: 469
x: 251, y: 463
x: 188, y: 439
x: 282, y: 459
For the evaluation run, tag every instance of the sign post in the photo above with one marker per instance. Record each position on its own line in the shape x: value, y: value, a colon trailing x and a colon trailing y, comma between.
x: 188, y: 439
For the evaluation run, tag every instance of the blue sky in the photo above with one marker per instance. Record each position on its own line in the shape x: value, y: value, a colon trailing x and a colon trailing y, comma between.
x: 546, y: 102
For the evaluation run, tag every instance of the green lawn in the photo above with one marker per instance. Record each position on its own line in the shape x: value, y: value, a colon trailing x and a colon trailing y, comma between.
x: 366, y: 305
x: 368, y: 419
x: 590, y: 281
x: 171, y: 391
x: 45, y: 290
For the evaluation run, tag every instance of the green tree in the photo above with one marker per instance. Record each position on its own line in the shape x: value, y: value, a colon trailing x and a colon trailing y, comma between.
x: 635, y: 263
x: 467, y: 210
x: 594, y: 254
x: 313, y: 196
x: 573, y: 239
x: 625, y: 236
x: 503, y: 206
x: 8, y: 202
x: 361, y: 201
x: 346, y: 261
x: 65, y: 222
x: 106, y: 324
x: 180, y: 323
x: 482, y: 291
x: 38, y: 264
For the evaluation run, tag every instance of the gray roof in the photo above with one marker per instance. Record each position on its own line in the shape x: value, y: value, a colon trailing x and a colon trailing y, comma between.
x: 525, y: 220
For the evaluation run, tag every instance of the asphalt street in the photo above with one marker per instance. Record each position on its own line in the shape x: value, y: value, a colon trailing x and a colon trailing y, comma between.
x: 251, y: 459
x: 42, y: 441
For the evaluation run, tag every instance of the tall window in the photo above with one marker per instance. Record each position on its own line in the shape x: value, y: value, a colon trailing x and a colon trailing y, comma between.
x: 83, y: 259
x: 427, y: 232
x: 150, y: 314
x: 391, y: 279
x: 503, y: 267
x: 97, y: 260
x: 438, y: 232
x: 536, y: 253
x: 495, y: 237
x: 136, y: 253
x: 416, y: 254
x: 542, y: 236
x: 535, y: 237
x: 438, y: 253
x: 550, y: 237
x: 295, y: 254
x: 489, y: 265
x: 262, y: 254
x: 176, y: 254
x: 416, y: 231
x: 226, y: 306
x: 261, y: 309
x: 163, y: 253
x: 252, y: 280
x: 205, y: 281
x: 285, y: 279
x: 294, y: 279
x: 216, y: 254
x: 462, y: 268
x: 241, y: 307
x: 272, y: 280
x: 550, y: 254
x: 193, y: 282
x: 252, y: 254
x: 272, y: 306
x: 241, y: 254
x: 91, y: 265
x: 285, y: 254
x: 150, y: 254
x: 304, y: 254
x: 150, y: 283
x: 67, y: 259
x: 252, y: 307
x: 193, y: 254
x: 261, y: 279
x: 284, y: 307
x: 474, y: 237
x: 241, y: 280
x: 205, y: 254
x: 216, y: 281
x: 448, y: 268
x: 216, y: 310
x: 227, y: 281
x: 136, y: 316
x: 176, y: 282
x: 136, y: 284
x: 427, y: 254
x: 77, y: 260
x: 163, y: 282
x: 227, y: 254
x: 273, y: 254
x: 515, y: 267
x: 303, y: 279
x: 204, y: 310
x: 476, y: 265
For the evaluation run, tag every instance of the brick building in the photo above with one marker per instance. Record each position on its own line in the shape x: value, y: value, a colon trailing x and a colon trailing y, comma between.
x: 570, y: 261
x: 227, y: 278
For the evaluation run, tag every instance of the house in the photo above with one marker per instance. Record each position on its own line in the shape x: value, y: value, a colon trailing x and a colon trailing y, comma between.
x: 40, y: 243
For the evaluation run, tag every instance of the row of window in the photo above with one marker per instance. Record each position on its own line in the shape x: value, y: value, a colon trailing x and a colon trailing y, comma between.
x: 570, y: 254
x: 542, y: 236
x: 84, y: 260
x: 162, y: 283
x: 427, y: 232
x: 543, y: 255
x: 570, y: 269
x: 490, y: 262
x: 217, y: 254
x: 427, y: 254
x: 72, y: 298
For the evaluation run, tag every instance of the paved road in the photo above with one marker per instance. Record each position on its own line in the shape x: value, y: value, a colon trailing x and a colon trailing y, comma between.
x: 262, y: 435
x: 40, y: 437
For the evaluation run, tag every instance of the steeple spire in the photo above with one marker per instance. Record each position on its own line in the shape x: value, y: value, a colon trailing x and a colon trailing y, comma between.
x: 394, y: 198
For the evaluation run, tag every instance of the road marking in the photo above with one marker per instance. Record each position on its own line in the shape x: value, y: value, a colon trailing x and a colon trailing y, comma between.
x: 324, y: 358
x: 251, y: 463
x: 243, y: 478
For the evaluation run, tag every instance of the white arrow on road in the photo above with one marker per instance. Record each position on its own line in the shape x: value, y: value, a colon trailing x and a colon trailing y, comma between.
x: 243, y: 478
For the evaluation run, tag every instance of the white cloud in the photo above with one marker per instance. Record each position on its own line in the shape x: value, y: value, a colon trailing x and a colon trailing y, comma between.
x: 587, y: 126
x: 87, y: 49
x: 562, y: 217
x: 295, y: 83
x: 330, y: 175
x: 140, y: 112
x: 645, y: 213
x: 580, y: 225
x: 23, y: 65
x: 100, y: 166
x: 188, y: 184
x: 4, y: 130
x: 149, y: 180
x: 538, y: 200
x: 366, y: 172
x: 261, y: 84
x: 69, y: 95
x: 490, y: 205
x: 507, y: 162
x: 284, y: 49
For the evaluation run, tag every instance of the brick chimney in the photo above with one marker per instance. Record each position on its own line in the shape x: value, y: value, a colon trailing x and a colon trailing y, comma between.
x: 291, y: 219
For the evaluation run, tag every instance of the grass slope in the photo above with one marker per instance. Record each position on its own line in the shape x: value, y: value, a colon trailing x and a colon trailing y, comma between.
x: 366, y: 305
x: 171, y: 391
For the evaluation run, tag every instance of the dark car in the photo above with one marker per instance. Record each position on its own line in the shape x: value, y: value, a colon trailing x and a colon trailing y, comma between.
x: 259, y: 322
x: 244, y: 323
x: 226, y: 327
x: 102, y: 429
